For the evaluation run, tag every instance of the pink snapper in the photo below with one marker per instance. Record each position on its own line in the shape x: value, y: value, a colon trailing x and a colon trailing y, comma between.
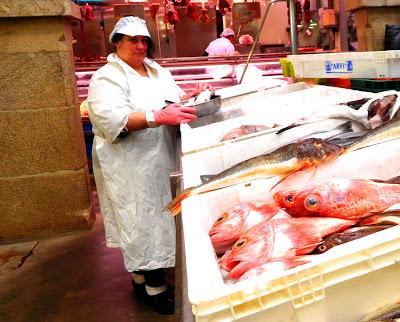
x: 236, y: 220
x: 278, y: 238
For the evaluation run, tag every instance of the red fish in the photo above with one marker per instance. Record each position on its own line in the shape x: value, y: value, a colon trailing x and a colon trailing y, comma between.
x: 278, y: 238
x: 340, y: 198
x: 242, y: 131
x: 236, y: 220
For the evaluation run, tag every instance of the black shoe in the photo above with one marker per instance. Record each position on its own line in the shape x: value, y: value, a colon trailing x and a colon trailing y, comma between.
x: 162, y: 303
x: 139, y: 290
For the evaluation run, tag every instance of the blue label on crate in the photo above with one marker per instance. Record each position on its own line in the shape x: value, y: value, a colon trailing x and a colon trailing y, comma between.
x: 332, y: 67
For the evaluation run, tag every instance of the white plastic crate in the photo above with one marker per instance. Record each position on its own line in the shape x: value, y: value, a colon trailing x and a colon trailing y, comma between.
x: 215, y: 159
x: 371, y: 64
x: 343, y: 284
x: 268, y: 108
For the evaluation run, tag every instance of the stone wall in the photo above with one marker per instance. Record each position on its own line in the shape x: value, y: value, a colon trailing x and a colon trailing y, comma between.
x: 44, y: 181
x: 372, y: 16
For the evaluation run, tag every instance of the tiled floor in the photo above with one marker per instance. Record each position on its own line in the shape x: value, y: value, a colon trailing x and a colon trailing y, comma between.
x: 73, y: 277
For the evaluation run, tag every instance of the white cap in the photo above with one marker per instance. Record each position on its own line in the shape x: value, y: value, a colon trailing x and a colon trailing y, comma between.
x: 227, y: 32
x: 130, y: 26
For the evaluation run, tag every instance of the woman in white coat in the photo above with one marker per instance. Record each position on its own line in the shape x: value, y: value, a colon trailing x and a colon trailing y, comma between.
x: 133, y: 155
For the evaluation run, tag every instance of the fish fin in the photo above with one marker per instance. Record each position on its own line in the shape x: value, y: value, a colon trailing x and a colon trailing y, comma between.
x: 206, y: 177
x: 394, y: 180
x: 347, y: 138
x: 291, y: 126
x: 315, y: 170
x: 283, y: 178
x: 174, y: 206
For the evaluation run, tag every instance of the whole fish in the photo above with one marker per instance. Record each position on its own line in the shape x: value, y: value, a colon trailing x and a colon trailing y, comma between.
x: 340, y: 112
x: 340, y: 198
x: 347, y: 235
x: 283, y: 161
x: 379, y: 104
x: 242, y: 131
x: 278, y: 238
x: 236, y: 220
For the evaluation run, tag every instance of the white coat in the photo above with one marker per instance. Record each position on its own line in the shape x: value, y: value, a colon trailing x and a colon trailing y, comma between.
x: 132, y: 173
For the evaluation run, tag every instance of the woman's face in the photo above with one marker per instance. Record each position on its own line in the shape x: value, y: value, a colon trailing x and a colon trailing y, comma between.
x: 132, y: 49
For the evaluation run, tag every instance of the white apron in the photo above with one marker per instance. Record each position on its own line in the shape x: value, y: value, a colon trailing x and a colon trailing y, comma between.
x: 132, y: 173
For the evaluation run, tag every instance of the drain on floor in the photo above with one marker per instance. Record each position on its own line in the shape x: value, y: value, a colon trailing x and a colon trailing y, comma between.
x: 14, y: 256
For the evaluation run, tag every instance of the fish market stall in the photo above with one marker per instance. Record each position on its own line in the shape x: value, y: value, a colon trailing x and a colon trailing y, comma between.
x: 330, y: 286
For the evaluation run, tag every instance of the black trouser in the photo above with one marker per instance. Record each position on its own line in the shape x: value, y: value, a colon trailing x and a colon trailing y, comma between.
x: 153, y: 278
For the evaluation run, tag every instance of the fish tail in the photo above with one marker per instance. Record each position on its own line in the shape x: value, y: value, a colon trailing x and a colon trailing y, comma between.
x: 174, y: 206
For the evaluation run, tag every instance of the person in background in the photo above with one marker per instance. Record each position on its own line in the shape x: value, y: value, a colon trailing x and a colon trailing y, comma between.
x: 246, y: 40
x: 133, y: 155
x: 222, y: 46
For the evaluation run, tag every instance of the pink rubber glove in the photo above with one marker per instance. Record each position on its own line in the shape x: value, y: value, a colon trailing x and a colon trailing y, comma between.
x: 175, y: 114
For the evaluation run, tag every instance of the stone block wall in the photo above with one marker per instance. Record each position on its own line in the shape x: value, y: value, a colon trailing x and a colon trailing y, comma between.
x: 44, y: 180
x: 372, y: 16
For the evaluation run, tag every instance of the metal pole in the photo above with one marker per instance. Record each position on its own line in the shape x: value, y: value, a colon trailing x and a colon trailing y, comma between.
x: 293, y: 26
x: 257, y: 37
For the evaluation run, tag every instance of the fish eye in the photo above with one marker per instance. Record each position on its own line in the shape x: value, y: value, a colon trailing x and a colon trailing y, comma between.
x: 322, y: 248
x: 221, y: 218
x: 311, y: 203
x: 289, y: 199
x: 240, y: 243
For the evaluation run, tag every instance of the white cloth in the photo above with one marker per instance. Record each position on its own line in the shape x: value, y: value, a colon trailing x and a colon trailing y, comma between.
x: 220, y: 46
x: 132, y: 173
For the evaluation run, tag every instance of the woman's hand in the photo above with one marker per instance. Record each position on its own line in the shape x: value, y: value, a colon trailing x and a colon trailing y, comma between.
x: 175, y: 114
x: 200, y: 87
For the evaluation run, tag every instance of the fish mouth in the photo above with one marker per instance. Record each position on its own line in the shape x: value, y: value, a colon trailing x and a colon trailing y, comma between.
x: 221, y: 241
x: 223, y: 235
x: 238, y: 268
x: 216, y: 237
x: 229, y: 265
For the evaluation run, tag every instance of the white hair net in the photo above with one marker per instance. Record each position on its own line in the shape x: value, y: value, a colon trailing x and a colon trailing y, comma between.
x: 130, y: 26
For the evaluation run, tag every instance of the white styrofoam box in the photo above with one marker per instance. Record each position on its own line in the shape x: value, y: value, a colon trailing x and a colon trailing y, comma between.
x: 211, y: 161
x: 316, y: 291
x: 269, y: 110
x: 371, y: 64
